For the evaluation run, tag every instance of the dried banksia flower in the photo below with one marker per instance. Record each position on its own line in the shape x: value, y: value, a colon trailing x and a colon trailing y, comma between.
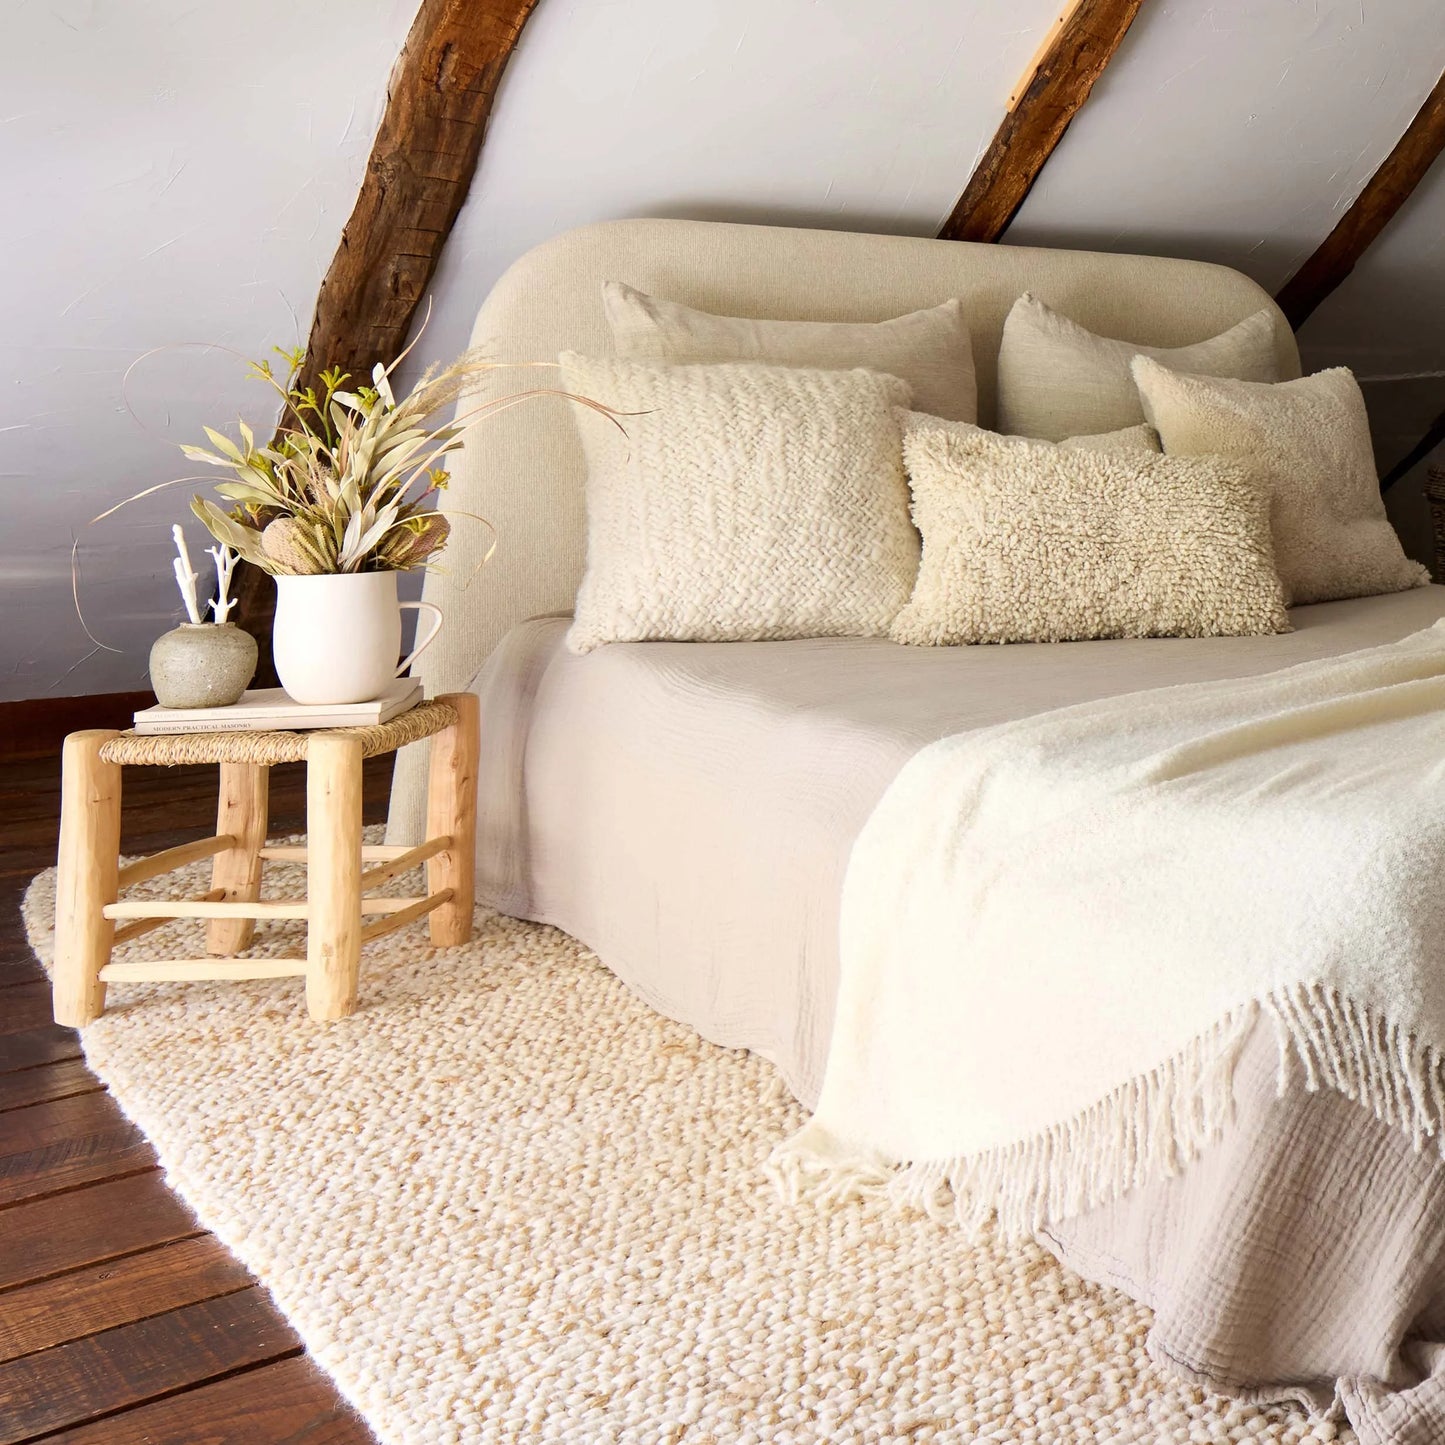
x: 411, y: 543
x: 287, y: 546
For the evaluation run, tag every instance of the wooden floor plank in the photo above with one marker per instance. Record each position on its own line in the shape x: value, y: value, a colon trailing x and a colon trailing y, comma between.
x: 37, y: 1086
x: 88, y: 1225
x: 15, y: 971
x: 289, y: 1403
x: 68, y: 1163
x: 58, y: 1121
x: 25, y: 1006
x: 48, y: 1045
x: 99, y: 1259
x: 138, y: 1362
x: 101, y: 1296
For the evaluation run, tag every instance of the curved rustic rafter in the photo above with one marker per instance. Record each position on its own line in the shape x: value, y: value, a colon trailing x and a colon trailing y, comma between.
x: 1372, y: 210
x: 437, y: 103
x: 1078, y: 46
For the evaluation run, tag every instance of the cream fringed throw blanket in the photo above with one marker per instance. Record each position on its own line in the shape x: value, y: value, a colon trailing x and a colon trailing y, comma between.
x: 1057, y: 932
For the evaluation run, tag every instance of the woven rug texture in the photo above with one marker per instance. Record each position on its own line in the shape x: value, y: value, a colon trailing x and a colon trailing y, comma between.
x: 506, y: 1201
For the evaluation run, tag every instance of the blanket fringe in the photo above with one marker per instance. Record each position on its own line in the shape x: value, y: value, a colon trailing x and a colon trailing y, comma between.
x: 1149, y: 1128
x: 1342, y: 1045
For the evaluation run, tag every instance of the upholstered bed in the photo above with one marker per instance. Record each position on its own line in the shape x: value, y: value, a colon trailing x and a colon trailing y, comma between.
x: 688, y: 809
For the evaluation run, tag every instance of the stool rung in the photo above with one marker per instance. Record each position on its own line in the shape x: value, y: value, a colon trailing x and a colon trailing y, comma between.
x: 405, y: 862
x: 418, y: 908
x: 168, y: 970
x: 296, y: 852
x: 147, y: 925
x: 154, y: 912
x: 204, y: 908
x: 173, y: 858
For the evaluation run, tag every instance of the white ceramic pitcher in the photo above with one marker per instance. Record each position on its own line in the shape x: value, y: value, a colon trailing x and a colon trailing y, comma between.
x: 336, y: 637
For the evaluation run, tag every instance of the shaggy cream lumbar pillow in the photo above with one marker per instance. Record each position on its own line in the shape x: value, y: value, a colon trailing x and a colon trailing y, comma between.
x: 1307, y: 442
x: 1024, y: 541
x: 1057, y: 379
x: 744, y: 502
x: 931, y: 349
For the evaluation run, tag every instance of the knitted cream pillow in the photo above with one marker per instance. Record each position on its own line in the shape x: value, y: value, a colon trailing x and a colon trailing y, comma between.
x: 1056, y: 379
x: 1028, y: 542
x: 930, y: 350
x: 1307, y: 442
x: 744, y: 502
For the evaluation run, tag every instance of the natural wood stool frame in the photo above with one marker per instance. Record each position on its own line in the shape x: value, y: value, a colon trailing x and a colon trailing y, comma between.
x: 90, y: 877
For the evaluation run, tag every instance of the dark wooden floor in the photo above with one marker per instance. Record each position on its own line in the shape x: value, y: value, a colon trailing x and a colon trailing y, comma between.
x: 122, y: 1322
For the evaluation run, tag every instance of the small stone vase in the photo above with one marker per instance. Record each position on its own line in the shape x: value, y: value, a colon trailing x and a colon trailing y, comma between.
x: 205, y: 664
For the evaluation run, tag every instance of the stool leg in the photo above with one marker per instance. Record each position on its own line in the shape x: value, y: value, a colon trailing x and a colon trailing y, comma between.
x: 88, y: 866
x: 241, y: 811
x: 333, y: 874
x: 451, y: 808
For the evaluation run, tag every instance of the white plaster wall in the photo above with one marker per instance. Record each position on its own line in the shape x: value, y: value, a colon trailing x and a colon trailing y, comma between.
x: 170, y: 172
x: 849, y: 114
x: 177, y: 172
x: 1237, y: 131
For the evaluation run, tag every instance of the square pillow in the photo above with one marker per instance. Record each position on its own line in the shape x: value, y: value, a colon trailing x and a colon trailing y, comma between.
x: 930, y: 350
x: 744, y: 502
x: 1056, y: 379
x: 1024, y: 541
x: 1307, y: 442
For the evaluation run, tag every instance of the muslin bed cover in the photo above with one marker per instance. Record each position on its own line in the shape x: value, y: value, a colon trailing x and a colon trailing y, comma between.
x: 687, y: 811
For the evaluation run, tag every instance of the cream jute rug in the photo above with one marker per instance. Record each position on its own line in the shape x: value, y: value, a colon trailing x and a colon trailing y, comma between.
x: 506, y: 1201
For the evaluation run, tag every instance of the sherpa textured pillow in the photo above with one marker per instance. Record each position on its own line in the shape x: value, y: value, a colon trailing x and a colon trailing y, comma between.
x: 1141, y: 438
x: 744, y: 502
x: 1024, y: 541
x: 929, y: 349
x: 1308, y: 444
x: 1056, y: 379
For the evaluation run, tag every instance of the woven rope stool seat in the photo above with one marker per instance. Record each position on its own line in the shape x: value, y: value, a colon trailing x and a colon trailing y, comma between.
x: 170, y: 750
x: 339, y: 869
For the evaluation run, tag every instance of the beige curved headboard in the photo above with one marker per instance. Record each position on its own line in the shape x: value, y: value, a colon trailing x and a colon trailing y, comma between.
x: 523, y: 470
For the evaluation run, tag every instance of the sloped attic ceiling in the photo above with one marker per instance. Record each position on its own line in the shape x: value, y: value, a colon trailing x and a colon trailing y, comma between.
x: 189, y: 179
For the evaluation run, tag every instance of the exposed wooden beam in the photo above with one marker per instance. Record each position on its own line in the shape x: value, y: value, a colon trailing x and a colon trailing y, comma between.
x: 1433, y: 435
x: 1056, y: 82
x: 1384, y: 193
x: 421, y: 166
x: 437, y: 103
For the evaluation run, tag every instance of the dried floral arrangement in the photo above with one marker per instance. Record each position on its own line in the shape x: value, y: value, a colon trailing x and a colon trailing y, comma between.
x: 351, y: 482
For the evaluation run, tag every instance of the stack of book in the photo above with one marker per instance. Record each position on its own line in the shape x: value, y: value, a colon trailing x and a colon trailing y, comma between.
x: 269, y: 709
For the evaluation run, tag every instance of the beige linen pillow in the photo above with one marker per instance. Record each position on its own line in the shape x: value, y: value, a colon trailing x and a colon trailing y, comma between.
x: 744, y: 502
x: 1028, y: 542
x: 930, y: 350
x: 1056, y: 379
x: 1308, y: 444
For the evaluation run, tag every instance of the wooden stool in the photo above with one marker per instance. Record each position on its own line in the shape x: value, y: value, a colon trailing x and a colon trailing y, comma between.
x: 90, y: 876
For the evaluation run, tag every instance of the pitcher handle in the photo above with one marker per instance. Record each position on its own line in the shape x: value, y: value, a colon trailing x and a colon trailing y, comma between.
x: 430, y: 638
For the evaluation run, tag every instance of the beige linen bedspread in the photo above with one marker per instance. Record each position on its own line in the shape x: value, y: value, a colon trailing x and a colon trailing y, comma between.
x: 687, y: 810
